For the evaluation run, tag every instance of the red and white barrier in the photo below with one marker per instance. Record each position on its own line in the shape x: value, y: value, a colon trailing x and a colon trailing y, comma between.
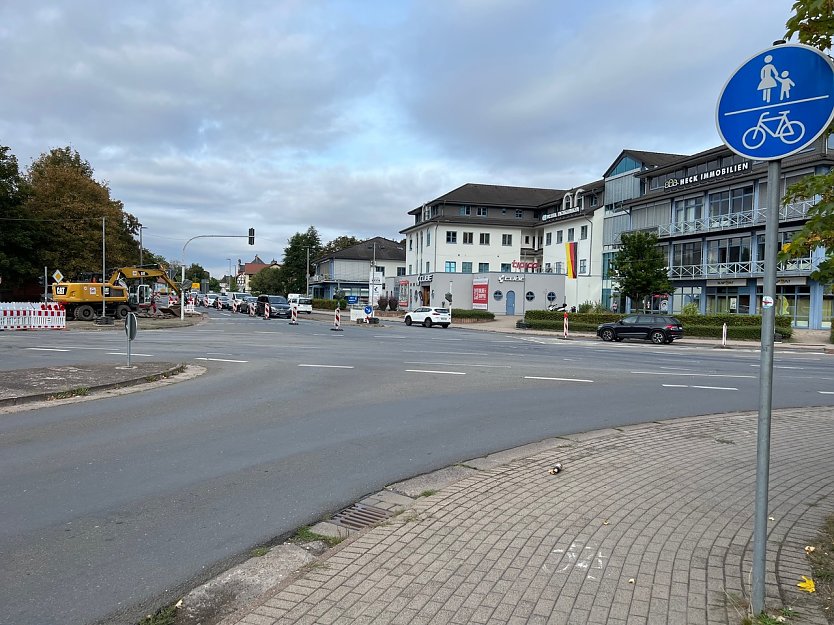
x: 565, y: 325
x: 337, y: 322
x: 29, y: 316
x: 294, y: 314
x: 266, y: 310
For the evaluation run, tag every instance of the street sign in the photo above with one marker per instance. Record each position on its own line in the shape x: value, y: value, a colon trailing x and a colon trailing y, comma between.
x: 131, y: 326
x: 368, y: 310
x: 777, y: 103
x: 767, y: 301
x: 352, y: 299
x: 57, y: 276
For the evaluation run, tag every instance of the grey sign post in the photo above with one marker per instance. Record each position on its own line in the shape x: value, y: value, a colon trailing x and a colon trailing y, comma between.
x: 131, y: 327
x: 776, y: 104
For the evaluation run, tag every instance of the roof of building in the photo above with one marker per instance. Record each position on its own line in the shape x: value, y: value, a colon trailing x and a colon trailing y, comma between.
x: 385, y: 249
x: 647, y: 159
x: 496, y: 195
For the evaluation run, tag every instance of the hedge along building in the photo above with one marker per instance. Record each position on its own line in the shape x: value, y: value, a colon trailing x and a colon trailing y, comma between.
x: 708, y: 211
x: 503, y: 249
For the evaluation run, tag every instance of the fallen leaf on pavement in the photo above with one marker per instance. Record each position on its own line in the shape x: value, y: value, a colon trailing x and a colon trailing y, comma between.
x: 807, y: 585
x: 810, y: 549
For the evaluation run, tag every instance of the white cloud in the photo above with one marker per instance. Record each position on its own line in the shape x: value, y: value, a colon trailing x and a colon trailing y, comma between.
x: 211, y: 117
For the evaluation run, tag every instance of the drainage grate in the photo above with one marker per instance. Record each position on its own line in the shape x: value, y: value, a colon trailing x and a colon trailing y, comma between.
x: 359, y: 516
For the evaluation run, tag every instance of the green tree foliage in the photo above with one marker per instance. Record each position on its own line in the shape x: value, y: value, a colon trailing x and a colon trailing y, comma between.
x: 195, y: 273
x: 294, y: 268
x: 20, y: 238
x: 639, y: 268
x: 70, y: 205
x: 813, y: 24
x: 268, y: 280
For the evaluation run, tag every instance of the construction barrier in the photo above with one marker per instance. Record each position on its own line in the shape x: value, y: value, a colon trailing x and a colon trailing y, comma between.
x: 294, y: 314
x: 30, y: 316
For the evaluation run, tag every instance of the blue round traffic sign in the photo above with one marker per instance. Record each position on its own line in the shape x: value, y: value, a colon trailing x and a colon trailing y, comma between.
x: 369, y: 310
x: 777, y: 103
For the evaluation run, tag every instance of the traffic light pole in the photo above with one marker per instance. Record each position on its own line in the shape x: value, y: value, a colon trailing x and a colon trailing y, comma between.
x: 250, y: 236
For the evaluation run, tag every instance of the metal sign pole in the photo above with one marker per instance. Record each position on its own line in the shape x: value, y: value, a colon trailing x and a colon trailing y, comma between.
x: 765, y: 387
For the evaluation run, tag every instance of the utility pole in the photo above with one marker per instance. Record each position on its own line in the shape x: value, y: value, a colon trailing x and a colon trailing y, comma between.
x: 307, y: 272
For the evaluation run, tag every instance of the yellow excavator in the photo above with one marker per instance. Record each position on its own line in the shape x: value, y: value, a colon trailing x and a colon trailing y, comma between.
x: 83, y: 300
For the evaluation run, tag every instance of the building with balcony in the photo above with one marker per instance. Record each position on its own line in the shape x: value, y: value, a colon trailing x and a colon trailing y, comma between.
x: 359, y: 270
x: 708, y: 211
x: 504, y: 249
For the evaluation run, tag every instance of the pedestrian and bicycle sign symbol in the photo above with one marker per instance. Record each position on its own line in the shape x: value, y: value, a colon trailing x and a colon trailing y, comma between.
x: 777, y: 103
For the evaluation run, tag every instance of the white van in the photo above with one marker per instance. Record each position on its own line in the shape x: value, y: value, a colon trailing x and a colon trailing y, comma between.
x: 304, y: 303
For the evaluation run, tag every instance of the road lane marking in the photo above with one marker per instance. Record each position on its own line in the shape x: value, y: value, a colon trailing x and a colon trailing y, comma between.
x: 47, y: 349
x: 536, y: 377
x: 707, y: 375
x: 125, y: 354
x: 329, y: 366
x: 219, y: 359
x: 826, y: 392
x: 455, y: 364
x: 440, y: 372
x: 710, y: 388
x: 431, y: 351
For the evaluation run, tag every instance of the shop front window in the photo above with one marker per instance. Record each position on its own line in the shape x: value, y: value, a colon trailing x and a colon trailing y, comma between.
x: 793, y: 301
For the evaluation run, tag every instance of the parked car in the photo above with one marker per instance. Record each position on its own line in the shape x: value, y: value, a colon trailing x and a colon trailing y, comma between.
x: 658, y: 329
x: 223, y: 302
x: 245, y: 302
x: 278, y: 306
x: 238, y: 297
x: 429, y: 316
x: 209, y: 299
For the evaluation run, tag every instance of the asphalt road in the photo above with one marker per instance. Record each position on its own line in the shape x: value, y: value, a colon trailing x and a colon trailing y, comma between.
x: 114, y: 507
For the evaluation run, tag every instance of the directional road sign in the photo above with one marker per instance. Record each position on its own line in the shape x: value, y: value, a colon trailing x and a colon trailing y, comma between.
x: 777, y: 103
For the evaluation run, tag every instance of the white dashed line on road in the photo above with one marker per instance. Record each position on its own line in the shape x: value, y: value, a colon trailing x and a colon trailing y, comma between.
x: 125, y: 354
x: 440, y: 372
x: 709, y: 388
x: 329, y: 366
x: 536, y: 377
x: 456, y: 364
x: 47, y: 349
x: 706, y: 375
x: 220, y: 359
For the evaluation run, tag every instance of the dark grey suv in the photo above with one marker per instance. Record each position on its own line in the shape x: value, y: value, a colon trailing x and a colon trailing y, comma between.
x: 658, y: 329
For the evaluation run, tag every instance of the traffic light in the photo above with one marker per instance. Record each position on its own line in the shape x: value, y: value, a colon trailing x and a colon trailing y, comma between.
x: 251, y: 236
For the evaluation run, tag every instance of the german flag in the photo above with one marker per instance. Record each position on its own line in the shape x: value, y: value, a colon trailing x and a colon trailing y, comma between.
x: 570, y: 255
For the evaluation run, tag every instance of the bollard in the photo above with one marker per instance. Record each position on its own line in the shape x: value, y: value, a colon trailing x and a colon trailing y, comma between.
x: 724, y: 336
x: 337, y: 323
x: 294, y: 314
x: 565, y: 326
x: 266, y: 310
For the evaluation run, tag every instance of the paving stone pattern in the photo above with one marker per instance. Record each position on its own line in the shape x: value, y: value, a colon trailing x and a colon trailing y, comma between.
x: 668, y: 505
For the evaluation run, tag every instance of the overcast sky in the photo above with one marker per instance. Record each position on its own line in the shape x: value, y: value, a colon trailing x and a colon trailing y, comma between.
x: 210, y: 117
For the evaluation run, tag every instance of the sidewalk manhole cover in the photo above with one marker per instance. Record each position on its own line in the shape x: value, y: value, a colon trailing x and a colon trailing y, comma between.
x: 359, y: 516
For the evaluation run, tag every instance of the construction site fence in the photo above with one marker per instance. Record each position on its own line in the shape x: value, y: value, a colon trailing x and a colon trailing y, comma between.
x: 32, y: 316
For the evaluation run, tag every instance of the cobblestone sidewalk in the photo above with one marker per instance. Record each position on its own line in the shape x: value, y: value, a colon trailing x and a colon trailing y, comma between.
x: 645, y: 524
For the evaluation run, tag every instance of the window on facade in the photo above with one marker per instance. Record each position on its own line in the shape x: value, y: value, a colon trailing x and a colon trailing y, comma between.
x: 570, y: 234
x: 783, y: 237
x: 583, y: 233
x: 482, y: 211
x: 467, y: 238
x: 526, y: 239
x: 409, y: 270
x: 484, y: 238
x: 593, y: 200
x: 557, y: 267
x: 583, y: 265
x: 551, y: 296
x: 451, y: 236
x: 400, y: 271
x: 498, y: 296
x: 688, y: 209
x: 410, y: 244
x: 428, y: 267
x: 519, y: 214
x: 687, y: 254
x: 741, y: 200
x: 529, y: 296
x: 540, y: 241
x: 465, y: 210
x: 483, y: 267
x: 428, y: 238
x: 466, y: 267
x: 626, y: 164
x: 506, y: 267
x: 548, y: 238
x: 559, y: 236
x: 729, y: 250
x: 451, y: 266
x: 506, y: 239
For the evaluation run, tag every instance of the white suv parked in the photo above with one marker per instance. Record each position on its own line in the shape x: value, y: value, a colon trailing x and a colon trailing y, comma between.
x: 429, y: 316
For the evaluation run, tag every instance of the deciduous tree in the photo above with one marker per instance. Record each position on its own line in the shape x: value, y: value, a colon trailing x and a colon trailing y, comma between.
x: 639, y: 268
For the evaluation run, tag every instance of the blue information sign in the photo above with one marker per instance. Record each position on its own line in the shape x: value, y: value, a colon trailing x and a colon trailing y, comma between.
x: 352, y: 299
x: 368, y: 310
x: 777, y: 103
